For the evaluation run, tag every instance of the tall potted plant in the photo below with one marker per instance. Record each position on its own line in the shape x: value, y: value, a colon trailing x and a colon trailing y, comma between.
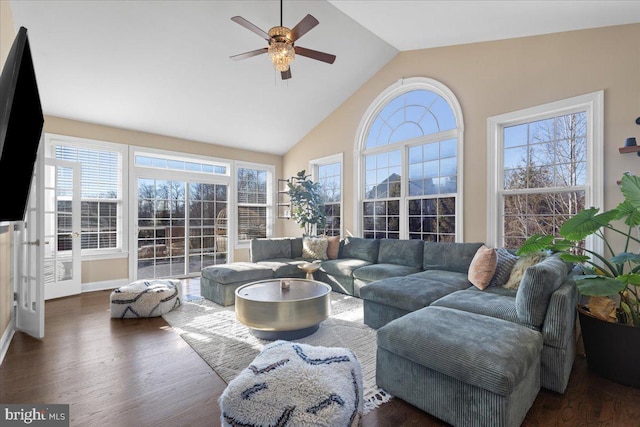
x: 307, y: 205
x: 610, y: 322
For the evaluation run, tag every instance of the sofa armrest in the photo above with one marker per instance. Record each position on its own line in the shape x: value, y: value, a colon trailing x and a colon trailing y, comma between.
x: 559, y: 322
x: 537, y: 285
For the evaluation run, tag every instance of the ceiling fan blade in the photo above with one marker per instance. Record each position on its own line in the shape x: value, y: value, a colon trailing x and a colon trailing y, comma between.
x: 286, y: 74
x: 248, y: 25
x: 249, y: 54
x: 314, y: 54
x: 303, y: 27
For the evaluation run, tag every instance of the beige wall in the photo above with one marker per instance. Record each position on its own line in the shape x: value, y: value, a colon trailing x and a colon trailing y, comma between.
x: 493, y: 78
x: 105, y: 270
x: 7, y: 34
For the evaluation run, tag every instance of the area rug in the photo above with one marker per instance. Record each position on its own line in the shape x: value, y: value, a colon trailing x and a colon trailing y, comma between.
x: 228, y: 347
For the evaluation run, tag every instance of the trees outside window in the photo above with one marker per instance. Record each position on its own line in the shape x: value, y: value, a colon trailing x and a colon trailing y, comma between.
x: 547, y: 167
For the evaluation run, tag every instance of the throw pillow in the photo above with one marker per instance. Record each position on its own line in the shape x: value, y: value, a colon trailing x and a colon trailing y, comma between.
x: 482, y: 267
x: 521, y: 266
x: 333, y: 247
x: 506, y: 261
x: 314, y: 247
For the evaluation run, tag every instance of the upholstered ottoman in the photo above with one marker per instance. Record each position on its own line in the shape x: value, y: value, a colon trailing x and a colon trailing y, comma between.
x: 464, y: 368
x: 218, y: 283
x: 297, y: 385
x: 145, y: 298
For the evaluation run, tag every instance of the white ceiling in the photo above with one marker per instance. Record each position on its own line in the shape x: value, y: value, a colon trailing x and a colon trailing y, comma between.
x: 163, y: 66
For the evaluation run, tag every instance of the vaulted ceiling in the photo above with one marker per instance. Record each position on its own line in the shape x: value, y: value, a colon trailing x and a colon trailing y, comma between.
x: 163, y: 66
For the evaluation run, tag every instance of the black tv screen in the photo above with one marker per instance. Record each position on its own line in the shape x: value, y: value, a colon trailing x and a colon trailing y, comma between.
x: 21, y: 122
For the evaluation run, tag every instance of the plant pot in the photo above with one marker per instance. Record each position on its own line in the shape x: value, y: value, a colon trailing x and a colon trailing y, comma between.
x: 612, y: 349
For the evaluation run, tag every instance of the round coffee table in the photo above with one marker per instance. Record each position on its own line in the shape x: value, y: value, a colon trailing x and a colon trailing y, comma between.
x: 283, y: 308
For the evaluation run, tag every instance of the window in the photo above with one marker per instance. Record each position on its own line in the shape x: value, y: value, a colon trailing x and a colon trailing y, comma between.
x: 102, y: 171
x: 546, y: 167
x: 182, y: 212
x: 255, y: 204
x: 410, y: 142
x: 328, y: 173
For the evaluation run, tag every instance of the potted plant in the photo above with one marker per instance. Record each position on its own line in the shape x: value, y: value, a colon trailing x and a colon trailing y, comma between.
x: 610, y: 322
x: 307, y: 205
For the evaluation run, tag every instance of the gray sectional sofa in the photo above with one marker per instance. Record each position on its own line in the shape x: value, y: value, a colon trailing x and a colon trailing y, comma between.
x: 440, y: 339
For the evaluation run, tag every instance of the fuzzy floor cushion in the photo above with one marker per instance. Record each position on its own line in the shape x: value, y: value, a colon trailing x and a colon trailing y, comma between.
x: 298, y: 385
x: 145, y: 298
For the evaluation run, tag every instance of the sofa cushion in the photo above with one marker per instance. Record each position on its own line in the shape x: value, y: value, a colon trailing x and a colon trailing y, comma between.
x: 473, y: 300
x: 374, y: 272
x: 262, y: 249
x: 359, y: 248
x: 284, y: 267
x: 505, y: 262
x: 408, y: 293
x: 237, y: 272
x: 314, y: 247
x: 536, y: 287
x: 296, y: 247
x: 333, y: 247
x: 459, y: 280
x: 449, y: 256
x: 401, y: 252
x: 483, y: 267
x: 342, y: 267
x: 521, y: 265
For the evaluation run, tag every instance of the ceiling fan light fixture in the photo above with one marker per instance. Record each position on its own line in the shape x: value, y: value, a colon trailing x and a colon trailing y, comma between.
x: 281, y: 50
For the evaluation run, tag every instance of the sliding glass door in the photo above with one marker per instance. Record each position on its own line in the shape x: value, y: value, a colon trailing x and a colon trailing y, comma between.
x: 181, y: 227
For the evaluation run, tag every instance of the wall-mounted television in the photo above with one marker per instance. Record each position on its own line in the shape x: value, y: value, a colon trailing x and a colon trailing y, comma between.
x: 21, y: 122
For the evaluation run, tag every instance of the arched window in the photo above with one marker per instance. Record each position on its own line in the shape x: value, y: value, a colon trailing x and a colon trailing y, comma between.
x: 409, y: 147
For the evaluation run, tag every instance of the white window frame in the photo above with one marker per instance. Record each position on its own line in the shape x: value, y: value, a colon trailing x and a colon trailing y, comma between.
x: 402, y: 86
x: 328, y: 160
x: 593, y: 105
x: 51, y: 140
x: 270, y: 205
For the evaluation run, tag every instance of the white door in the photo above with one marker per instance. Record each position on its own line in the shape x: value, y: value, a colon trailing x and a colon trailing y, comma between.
x: 62, y: 248
x: 28, y: 257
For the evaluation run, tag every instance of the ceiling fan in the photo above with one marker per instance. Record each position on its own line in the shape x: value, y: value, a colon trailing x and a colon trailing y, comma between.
x: 282, y: 49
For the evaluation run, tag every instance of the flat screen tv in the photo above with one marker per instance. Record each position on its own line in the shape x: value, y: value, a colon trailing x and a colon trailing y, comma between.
x: 21, y: 122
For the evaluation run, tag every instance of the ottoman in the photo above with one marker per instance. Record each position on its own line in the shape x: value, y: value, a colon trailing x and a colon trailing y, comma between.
x: 297, y: 385
x: 145, y: 298
x: 464, y: 368
x: 218, y: 283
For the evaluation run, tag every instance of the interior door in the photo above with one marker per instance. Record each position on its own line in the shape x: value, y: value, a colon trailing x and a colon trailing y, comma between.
x: 28, y: 259
x: 62, y: 249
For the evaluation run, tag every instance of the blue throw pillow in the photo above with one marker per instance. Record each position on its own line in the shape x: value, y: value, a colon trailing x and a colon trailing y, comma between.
x: 506, y: 261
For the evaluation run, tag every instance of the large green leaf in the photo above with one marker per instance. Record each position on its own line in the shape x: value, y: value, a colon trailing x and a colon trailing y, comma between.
x: 535, y: 243
x: 623, y: 257
x: 629, y: 279
x: 600, y: 286
x: 629, y: 212
x: 585, y: 223
x: 630, y: 188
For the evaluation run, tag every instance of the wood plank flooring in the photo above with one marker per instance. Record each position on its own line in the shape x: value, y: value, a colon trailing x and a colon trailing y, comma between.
x: 138, y: 372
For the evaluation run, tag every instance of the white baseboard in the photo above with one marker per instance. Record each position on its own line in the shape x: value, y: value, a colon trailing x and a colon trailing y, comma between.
x: 104, y: 286
x: 5, y: 341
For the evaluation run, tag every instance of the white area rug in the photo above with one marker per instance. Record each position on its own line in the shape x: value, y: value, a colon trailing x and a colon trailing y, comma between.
x: 228, y: 347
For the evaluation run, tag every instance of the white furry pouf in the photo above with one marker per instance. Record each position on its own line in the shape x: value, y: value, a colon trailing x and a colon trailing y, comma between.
x: 296, y: 385
x: 145, y: 298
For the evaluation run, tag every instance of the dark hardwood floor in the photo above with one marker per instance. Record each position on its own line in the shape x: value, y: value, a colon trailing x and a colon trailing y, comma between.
x: 138, y: 372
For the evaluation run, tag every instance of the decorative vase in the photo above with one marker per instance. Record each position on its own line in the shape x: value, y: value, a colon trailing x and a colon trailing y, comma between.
x: 612, y: 349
